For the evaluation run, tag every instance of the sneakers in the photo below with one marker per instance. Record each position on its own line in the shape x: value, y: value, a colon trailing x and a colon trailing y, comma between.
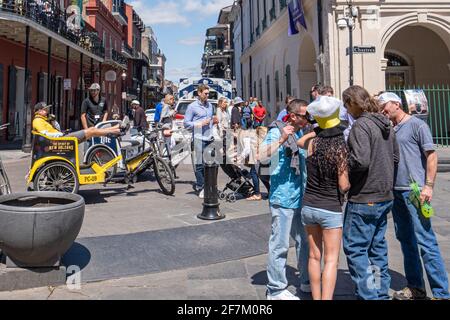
x: 305, y: 288
x: 409, y: 293
x: 201, y: 194
x: 283, y: 295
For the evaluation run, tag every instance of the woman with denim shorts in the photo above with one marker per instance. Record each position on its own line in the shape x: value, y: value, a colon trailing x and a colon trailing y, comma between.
x: 323, y: 200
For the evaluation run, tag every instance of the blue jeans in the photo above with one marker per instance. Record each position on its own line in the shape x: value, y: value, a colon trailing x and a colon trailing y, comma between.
x: 286, y: 222
x: 366, y: 248
x: 255, y: 178
x: 416, y: 235
x: 199, y: 148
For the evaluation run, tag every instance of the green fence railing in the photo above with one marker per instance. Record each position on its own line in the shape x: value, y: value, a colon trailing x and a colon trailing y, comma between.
x: 438, y: 97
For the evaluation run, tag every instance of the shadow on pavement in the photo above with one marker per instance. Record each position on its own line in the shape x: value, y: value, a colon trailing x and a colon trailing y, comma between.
x: 344, y: 289
x: 77, y: 255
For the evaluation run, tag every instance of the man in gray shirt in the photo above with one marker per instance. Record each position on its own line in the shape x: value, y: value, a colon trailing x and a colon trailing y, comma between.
x: 418, y: 162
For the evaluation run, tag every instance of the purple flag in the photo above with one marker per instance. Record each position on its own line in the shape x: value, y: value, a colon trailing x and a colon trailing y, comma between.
x: 296, y: 15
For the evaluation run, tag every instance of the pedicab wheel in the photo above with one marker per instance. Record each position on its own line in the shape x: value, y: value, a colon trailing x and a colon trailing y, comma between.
x: 231, y: 198
x: 56, y: 176
x: 164, y: 176
x: 222, y: 195
x: 101, y: 156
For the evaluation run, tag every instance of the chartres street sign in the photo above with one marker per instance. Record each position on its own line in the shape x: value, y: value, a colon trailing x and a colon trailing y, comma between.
x: 363, y: 49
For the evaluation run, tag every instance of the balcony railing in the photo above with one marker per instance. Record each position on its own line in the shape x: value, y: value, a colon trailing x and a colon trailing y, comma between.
x: 257, y: 31
x: 118, y: 57
x: 51, y: 17
x: 119, y: 7
x: 127, y: 49
x: 264, y: 23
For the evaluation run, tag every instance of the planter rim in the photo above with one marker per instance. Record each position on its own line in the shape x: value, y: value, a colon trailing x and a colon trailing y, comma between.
x: 76, y: 198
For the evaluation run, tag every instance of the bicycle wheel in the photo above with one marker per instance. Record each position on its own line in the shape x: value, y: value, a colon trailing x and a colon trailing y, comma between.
x: 164, y: 176
x: 5, y: 187
x: 56, y: 176
x: 101, y: 156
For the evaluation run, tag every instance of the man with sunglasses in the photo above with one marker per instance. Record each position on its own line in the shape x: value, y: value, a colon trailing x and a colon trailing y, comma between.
x: 94, y: 108
x: 287, y: 185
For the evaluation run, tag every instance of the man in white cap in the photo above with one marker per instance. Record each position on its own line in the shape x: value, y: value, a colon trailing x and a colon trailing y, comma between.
x: 94, y: 108
x: 418, y: 162
x: 140, y: 120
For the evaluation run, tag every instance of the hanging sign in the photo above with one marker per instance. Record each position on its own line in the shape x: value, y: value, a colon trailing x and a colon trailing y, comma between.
x: 67, y: 84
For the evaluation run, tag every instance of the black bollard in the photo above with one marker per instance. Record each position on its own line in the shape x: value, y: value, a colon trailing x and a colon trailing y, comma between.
x: 211, y: 210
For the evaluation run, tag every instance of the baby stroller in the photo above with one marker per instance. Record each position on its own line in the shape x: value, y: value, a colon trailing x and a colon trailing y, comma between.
x: 240, y: 183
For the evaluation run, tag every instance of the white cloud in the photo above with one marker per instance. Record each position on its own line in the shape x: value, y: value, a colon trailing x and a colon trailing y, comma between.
x: 192, y: 41
x: 181, y: 12
x: 175, y: 74
x: 207, y: 7
x: 162, y: 13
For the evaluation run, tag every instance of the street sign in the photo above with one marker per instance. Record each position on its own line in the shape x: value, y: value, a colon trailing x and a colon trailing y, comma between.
x: 362, y: 49
x: 67, y: 84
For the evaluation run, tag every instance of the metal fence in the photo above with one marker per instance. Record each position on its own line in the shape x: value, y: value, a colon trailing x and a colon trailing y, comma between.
x: 438, y: 97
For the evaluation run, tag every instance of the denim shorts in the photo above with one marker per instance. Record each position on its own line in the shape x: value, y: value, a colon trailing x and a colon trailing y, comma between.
x: 324, y: 218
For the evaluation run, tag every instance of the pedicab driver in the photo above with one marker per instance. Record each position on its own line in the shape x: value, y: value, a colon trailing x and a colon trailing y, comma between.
x: 45, y: 126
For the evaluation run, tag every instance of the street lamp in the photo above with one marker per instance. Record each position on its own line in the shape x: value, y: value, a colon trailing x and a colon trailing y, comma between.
x: 348, y: 21
x: 228, y: 73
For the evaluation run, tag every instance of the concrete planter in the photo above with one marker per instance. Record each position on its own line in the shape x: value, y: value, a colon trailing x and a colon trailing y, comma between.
x: 37, y: 228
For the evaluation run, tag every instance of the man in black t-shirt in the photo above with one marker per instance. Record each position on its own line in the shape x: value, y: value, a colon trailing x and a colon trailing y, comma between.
x: 94, y: 108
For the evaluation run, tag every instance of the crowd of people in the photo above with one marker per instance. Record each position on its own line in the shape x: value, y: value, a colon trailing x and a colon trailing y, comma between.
x: 336, y: 168
x: 333, y: 168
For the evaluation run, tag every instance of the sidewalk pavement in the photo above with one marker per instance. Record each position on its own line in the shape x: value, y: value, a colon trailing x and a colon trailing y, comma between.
x: 112, y: 211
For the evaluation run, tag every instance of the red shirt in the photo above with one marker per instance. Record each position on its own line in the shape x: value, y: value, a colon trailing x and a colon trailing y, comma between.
x: 259, y: 112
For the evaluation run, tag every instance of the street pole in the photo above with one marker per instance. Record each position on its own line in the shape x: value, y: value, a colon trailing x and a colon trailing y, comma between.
x: 350, y: 34
x: 26, y: 146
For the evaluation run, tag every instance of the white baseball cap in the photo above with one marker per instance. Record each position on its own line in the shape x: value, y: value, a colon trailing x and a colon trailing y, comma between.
x: 388, y: 96
x: 135, y: 102
x: 94, y: 86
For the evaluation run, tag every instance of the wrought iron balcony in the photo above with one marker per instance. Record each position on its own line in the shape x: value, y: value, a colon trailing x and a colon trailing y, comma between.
x: 118, y: 58
x: 118, y: 11
x: 51, y: 17
x: 127, y: 50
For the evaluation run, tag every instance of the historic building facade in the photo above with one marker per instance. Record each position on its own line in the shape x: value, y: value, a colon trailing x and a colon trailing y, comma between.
x: 395, y: 43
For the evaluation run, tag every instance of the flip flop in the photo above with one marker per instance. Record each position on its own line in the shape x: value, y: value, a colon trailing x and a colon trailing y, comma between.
x: 254, y: 198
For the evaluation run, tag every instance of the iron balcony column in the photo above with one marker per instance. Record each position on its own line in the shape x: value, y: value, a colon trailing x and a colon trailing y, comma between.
x: 26, y: 146
x: 49, y: 65
x: 66, y: 92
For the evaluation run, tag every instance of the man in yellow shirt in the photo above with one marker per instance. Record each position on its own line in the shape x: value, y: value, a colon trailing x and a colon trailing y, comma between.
x: 43, y: 125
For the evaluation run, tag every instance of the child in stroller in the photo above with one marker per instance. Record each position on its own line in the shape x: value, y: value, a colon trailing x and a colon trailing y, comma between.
x: 240, y: 183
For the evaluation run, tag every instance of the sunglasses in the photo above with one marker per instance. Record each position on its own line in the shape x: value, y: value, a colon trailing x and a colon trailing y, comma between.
x: 303, y: 116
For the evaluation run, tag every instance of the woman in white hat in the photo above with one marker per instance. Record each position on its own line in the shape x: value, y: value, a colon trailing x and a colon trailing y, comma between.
x: 326, y: 185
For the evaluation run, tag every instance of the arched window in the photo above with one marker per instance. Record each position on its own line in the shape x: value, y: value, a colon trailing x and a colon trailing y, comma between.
x: 277, y: 86
x: 288, y: 80
x: 268, y: 88
x: 395, y: 60
x: 398, y: 71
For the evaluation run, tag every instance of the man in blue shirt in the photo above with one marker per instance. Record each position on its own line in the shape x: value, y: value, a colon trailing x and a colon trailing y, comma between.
x: 199, y: 118
x: 287, y: 186
x: 158, y: 110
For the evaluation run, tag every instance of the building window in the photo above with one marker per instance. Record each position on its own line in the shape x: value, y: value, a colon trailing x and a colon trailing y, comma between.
x: 277, y: 86
x: 398, y: 71
x: 288, y: 80
x: 268, y: 88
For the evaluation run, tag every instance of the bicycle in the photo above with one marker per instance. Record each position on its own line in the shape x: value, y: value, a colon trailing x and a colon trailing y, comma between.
x: 5, y: 186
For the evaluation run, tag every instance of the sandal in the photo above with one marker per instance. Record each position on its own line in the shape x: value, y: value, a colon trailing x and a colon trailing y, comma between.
x: 254, y: 198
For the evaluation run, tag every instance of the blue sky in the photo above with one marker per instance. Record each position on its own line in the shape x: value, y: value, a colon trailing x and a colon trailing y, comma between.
x: 180, y: 27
